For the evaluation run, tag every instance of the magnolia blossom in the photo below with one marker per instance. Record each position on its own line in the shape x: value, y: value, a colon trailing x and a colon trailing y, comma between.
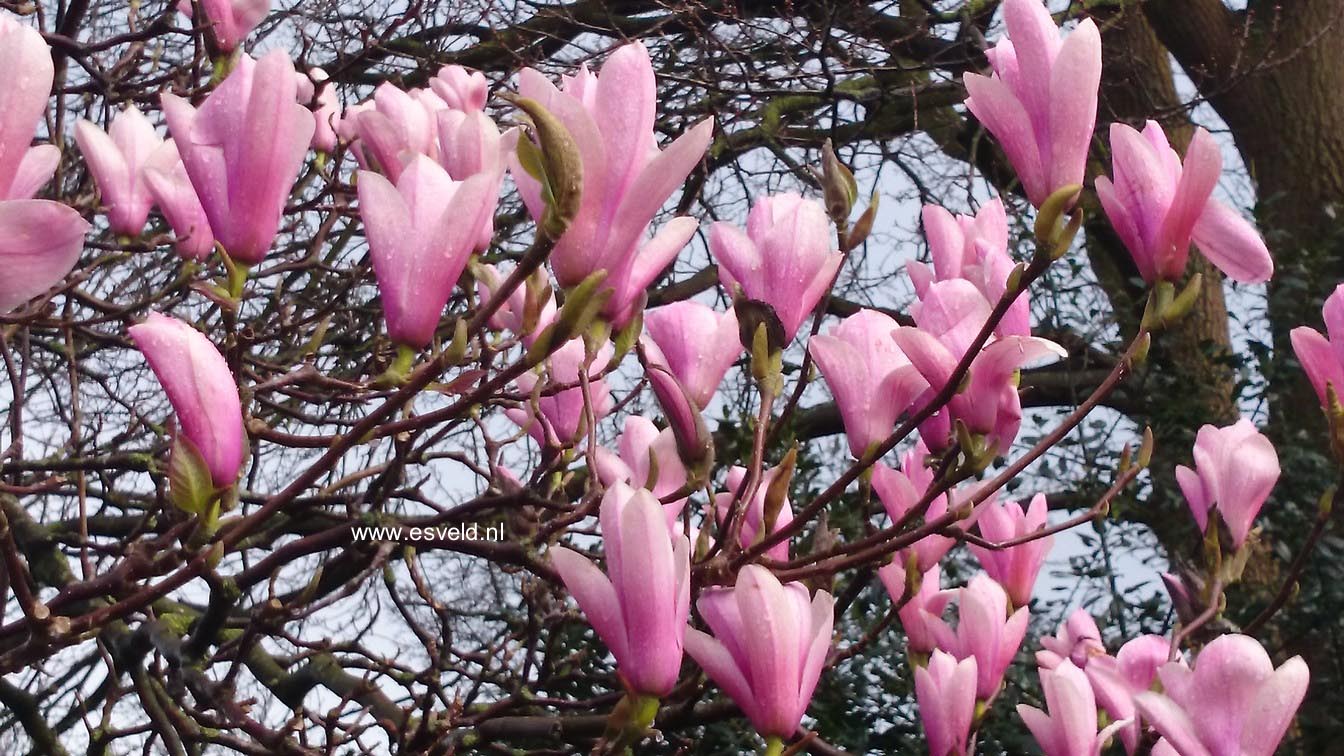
x: 470, y: 145
x: 1186, y: 588
x: 1116, y: 680
x: 974, y: 248
x: 395, y: 127
x: 626, y: 178
x: 231, y: 20
x: 1041, y: 101
x: 40, y: 240
x: 201, y: 389
x: 527, y: 311
x: 755, y: 511
x: 786, y: 258
x: 1159, y: 203
x: 116, y: 160
x: 167, y: 180
x: 243, y: 148
x: 647, y: 459
x: 945, y: 692
x: 1016, y: 567
x: 461, y: 88
x: 948, y: 318
x: 1236, y: 467
x: 1078, y: 640
x: 901, y: 491
x: 1232, y: 703
x: 769, y: 646
x: 986, y: 631
x: 871, y: 379
x: 694, y: 443
x: 563, y: 416
x: 921, y: 614
x: 1070, y: 727
x: 1322, y: 357
x: 23, y: 100
x: 327, y: 114
x: 640, y: 606
x: 420, y: 233
x: 694, y: 342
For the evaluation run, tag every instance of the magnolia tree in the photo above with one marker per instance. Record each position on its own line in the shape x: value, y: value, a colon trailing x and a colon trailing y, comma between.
x: 377, y: 424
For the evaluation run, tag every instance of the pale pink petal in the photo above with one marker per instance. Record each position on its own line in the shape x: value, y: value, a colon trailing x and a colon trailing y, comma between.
x: 40, y: 242
x: 1232, y: 244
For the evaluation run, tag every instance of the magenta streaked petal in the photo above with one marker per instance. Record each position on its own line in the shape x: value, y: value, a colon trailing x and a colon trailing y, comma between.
x: 200, y: 387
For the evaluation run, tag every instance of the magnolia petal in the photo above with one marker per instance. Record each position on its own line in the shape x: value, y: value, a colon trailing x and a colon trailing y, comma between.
x: 40, y: 242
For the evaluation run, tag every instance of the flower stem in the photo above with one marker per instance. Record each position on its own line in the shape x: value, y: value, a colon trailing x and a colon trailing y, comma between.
x: 400, y: 369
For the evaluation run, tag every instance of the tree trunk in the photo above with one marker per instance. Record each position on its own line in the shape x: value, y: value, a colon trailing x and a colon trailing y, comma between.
x: 1275, y: 74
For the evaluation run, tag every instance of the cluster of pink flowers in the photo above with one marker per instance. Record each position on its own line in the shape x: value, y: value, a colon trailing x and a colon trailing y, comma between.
x: 431, y: 167
x: 1231, y: 702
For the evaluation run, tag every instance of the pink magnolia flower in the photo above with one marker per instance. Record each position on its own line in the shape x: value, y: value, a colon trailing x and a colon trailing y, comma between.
x: 694, y: 443
x: 513, y: 314
x: 871, y: 379
x: 420, y: 234
x: 563, y: 416
x: 232, y: 20
x: 974, y: 248
x: 1159, y: 203
x: 1323, y: 358
x: 786, y: 258
x: 1184, y: 592
x: 23, y: 100
x: 314, y: 88
x: 1078, y: 640
x: 469, y: 145
x: 695, y: 343
x: 626, y: 178
x: 945, y: 692
x: 1016, y: 567
x: 986, y: 631
x: 40, y: 242
x: 347, y: 131
x: 640, y: 606
x: 201, y: 389
x: 243, y: 148
x: 116, y: 160
x: 1233, y: 703
x: 1236, y: 467
x: 769, y: 646
x: 1116, y: 680
x: 461, y: 88
x: 647, y: 459
x: 755, y: 514
x: 1041, y: 101
x: 1070, y: 729
x: 948, y: 318
x: 901, y: 491
x: 922, y: 613
x: 397, y: 127
x: 166, y: 178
